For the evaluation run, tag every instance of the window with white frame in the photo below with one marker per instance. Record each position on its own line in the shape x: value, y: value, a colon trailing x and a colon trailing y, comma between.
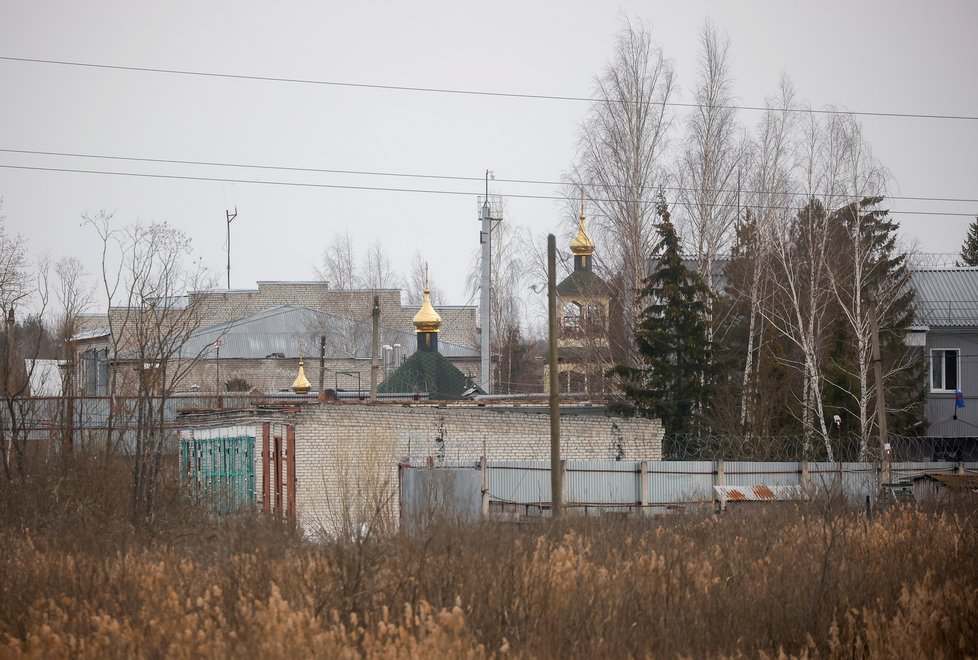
x: 945, y: 369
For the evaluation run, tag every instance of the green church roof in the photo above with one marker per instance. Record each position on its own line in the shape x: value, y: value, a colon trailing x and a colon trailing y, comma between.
x: 582, y: 283
x: 426, y: 372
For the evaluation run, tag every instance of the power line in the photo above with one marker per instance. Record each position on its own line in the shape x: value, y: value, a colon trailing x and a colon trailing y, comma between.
x: 335, y: 186
x: 319, y: 170
x: 468, y: 92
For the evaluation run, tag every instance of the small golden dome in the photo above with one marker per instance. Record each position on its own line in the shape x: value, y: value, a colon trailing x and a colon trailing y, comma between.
x: 301, y: 384
x: 582, y: 245
x: 427, y: 319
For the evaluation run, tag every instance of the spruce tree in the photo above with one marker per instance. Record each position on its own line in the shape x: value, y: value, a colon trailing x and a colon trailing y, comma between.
x: 672, y: 379
x: 885, y: 273
x: 969, y: 249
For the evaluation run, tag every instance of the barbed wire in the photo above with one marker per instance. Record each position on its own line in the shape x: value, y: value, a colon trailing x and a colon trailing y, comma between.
x: 692, y: 447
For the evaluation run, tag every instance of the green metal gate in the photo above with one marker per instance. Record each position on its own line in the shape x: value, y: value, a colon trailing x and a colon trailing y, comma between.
x: 219, y: 471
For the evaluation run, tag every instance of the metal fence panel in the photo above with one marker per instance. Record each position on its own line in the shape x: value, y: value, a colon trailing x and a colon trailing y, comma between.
x: 602, y: 482
x: 908, y: 469
x: 760, y: 473
x: 427, y: 494
x: 522, y: 482
x: 856, y: 480
x: 673, y: 482
x: 93, y: 412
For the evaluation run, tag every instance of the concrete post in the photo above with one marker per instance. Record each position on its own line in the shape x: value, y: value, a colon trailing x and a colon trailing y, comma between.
x: 563, y: 483
x: 719, y: 479
x: 556, y: 465
x: 484, y: 467
x: 643, y: 487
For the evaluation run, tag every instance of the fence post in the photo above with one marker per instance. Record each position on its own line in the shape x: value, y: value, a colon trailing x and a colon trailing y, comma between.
x: 806, y: 478
x: 719, y: 480
x: 960, y: 468
x: 643, y: 487
x: 485, y: 486
x: 563, y: 482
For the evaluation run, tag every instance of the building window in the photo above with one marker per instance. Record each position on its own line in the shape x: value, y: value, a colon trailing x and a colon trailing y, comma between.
x: 572, y: 317
x: 945, y: 366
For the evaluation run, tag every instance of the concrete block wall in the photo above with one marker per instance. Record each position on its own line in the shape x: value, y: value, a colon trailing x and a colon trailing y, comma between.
x: 347, y: 454
x: 216, y: 306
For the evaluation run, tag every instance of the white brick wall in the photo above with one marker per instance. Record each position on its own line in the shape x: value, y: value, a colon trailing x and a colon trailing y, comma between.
x: 347, y: 454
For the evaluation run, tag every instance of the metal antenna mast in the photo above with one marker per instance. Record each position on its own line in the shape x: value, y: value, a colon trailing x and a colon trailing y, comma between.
x: 485, y: 238
x: 230, y: 217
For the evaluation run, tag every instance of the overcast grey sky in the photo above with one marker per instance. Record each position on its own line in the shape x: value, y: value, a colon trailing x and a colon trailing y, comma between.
x: 901, y: 57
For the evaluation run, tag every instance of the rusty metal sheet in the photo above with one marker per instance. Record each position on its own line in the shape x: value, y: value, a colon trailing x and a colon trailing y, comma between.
x: 759, y: 493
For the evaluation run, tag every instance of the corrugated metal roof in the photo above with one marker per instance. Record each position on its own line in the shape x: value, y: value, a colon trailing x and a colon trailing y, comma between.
x: 759, y: 493
x: 91, y: 334
x: 279, y: 330
x: 946, y: 297
x: 964, y: 481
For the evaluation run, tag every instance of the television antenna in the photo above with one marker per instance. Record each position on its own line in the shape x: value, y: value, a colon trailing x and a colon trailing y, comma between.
x: 230, y: 217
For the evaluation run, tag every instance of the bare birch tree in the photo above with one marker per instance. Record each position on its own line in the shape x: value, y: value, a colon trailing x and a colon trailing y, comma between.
x: 377, y: 272
x: 770, y: 183
x: 619, y: 161
x: 348, y: 276
x: 414, y: 283
x: 712, y: 158
x: 339, y: 263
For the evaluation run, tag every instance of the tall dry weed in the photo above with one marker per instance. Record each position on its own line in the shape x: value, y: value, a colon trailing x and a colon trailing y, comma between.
x: 812, y: 580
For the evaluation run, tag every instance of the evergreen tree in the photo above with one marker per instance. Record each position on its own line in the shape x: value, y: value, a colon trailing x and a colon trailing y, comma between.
x: 885, y: 278
x: 672, y: 379
x: 766, y: 408
x: 969, y: 249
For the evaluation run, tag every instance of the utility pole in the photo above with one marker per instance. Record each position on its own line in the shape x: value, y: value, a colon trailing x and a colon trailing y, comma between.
x: 217, y: 385
x: 485, y: 239
x: 880, y: 398
x: 555, y: 475
x: 322, y: 365
x: 375, y: 349
x: 230, y: 217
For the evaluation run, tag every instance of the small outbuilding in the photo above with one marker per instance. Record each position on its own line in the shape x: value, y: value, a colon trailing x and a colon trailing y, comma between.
x: 936, y: 487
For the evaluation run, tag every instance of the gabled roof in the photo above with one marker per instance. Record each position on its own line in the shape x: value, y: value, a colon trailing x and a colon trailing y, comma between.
x: 582, y: 283
x: 946, y: 297
x: 427, y: 372
x: 277, y: 331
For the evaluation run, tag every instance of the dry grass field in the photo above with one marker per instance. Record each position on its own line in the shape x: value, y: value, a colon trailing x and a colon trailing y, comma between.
x: 79, y: 580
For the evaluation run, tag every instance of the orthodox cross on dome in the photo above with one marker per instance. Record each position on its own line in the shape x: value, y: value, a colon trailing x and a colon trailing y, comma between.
x: 582, y: 246
x: 427, y: 321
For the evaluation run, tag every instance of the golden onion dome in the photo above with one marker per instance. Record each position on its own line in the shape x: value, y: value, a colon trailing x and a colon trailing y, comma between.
x: 427, y: 319
x: 582, y: 245
x: 301, y: 384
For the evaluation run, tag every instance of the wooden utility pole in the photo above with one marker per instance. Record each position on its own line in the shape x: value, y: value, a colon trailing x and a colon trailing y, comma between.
x: 555, y: 474
x: 375, y: 349
x: 880, y: 398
